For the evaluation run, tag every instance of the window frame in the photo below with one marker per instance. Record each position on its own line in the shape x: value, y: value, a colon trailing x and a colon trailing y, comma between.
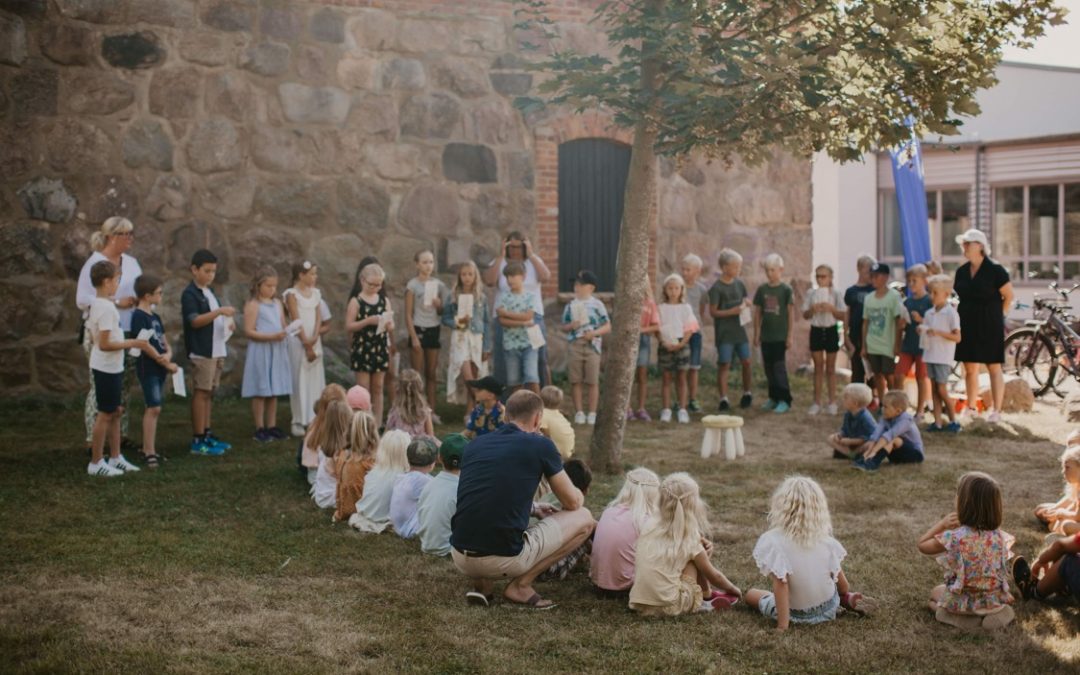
x: 936, y: 243
x: 1026, y: 259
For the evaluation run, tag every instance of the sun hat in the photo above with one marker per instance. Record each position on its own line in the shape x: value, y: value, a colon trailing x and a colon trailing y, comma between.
x: 358, y: 398
x: 974, y: 236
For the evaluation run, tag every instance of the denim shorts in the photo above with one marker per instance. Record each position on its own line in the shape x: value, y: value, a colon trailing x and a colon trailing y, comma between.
x: 108, y: 390
x: 151, y: 389
x: 644, y: 347
x: 522, y: 366
x: 826, y: 611
x: 725, y: 351
x: 939, y: 372
x: 695, y: 351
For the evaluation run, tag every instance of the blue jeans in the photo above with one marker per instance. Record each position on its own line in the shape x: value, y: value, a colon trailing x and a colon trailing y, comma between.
x: 726, y: 351
x: 151, y: 387
x: 695, y: 351
x: 498, y: 357
x: 826, y: 611
x: 644, y: 349
x: 905, y: 454
x: 521, y: 366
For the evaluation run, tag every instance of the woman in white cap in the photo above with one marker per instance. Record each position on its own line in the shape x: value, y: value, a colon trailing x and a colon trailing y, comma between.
x: 986, y: 294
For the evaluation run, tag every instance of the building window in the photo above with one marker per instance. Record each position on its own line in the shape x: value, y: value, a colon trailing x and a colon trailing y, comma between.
x: 1036, y: 230
x: 947, y: 213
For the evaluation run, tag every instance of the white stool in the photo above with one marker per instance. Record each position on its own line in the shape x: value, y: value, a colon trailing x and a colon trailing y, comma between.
x: 722, y: 432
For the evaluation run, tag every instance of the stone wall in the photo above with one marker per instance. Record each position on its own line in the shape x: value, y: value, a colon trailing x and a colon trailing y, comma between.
x: 273, y: 130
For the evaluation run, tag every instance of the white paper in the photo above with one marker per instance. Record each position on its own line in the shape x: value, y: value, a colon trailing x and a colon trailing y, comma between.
x: 294, y: 327
x: 178, y: 386
x: 671, y: 331
x: 144, y: 334
x: 578, y: 313
x: 230, y: 328
x: 746, y: 316
x: 431, y: 291
x: 536, y: 337
x: 464, y: 306
x: 820, y: 295
x: 384, y: 319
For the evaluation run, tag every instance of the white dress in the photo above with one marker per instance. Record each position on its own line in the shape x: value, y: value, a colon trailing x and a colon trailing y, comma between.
x: 309, y: 378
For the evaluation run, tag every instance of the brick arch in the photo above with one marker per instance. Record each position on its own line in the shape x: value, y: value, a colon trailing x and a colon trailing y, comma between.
x: 547, y: 139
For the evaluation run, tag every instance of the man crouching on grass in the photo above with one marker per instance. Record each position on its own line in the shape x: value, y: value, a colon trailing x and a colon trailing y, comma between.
x: 491, y: 538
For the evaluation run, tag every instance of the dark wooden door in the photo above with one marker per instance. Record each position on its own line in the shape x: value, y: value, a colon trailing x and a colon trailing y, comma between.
x: 592, y: 183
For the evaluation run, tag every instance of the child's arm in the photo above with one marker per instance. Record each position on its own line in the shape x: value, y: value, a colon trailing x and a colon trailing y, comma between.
x: 429, y: 428
x: 782, y: 596
x: 952, y: 336
x: 410, y: 302
x: 757, y: 324
x: 351, y: 323
x: 790, y: 323
x: 865, y: 324
x: 504, y: 313
x: 848, y: 344
x: 1054, y: 553
x: 715, y: 576
x: 929, y: 544
x: 107, y: 345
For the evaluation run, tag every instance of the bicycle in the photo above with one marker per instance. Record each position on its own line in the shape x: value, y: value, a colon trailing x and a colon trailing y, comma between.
x: 1045, y: 350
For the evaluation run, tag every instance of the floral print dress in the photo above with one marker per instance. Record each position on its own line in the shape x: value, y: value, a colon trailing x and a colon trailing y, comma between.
x: 976, y: 566
x: 370, y: 351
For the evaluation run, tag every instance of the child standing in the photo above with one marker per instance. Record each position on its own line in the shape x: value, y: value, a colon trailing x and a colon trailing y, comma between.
x: 696, y: 297
x: 650, y: 326
x: 1063, y: 516
x: 410, y: 413
x: 405, y: 494
x: 975, y: 554
x: 773, y: 319
x: 677, y: 324
x: 353, y: 464
x: 728, y: 299
x: 333, y: 438
x: 424, y: 298
x: 267, y: 373
x: 858, y: 425
x: 611, y: 564
x: 854, y: 297
x: 881, y: 328
x: 917, y: 304
x: 438, y: 499
x: 896, y: 436
x: 488, y: 413
x: 470, y: 339
x: 371, y: 321
x: 151, y: 371
x: 515, y: 310
x: 304, y: 302
x: 107, y: 369
x: 585, y: 321
x: 802, y: 560
x: 309, y: 451
x: 554, y: 424
x: 824, y: 307
x: 206, y: 323
x: 672, y: 571
x: 373, y: 509
x: 940, y: 330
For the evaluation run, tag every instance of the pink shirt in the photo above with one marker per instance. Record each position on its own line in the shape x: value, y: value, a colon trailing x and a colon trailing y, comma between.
x: 650, y: 315
x: 613, y: 550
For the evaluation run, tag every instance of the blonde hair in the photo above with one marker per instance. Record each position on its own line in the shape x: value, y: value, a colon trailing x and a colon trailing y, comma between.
x: 917, y: 270
x: 859, y: 392
x: 865, y: 262
x: 262, y: 274
x: 827, y: 268
x: 640, y: 493
x: 773, y: 261
x: 334, y: 431
x: 933, y: 267
x: 409, y: 401
x: 896, y: 398
x: 693, y: 260
x: 682, y: 294
x: 332, y: 392
x: 110, y: 228
x: 940, y: 281
x: 391, y: 455
x: 478, y: 284
x: 799, y: 509
x: 681, y: 519
x: 552, y: 396
x: 728, y: 255
x: 373, y: 272
x: 364, y: 435
x: 1071, y: 453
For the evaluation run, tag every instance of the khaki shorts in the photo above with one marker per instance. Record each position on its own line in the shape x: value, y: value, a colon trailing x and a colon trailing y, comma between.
x: 583, y: 363
x: 542, y: 540
x: 206, y: 373
x: 687, y: 601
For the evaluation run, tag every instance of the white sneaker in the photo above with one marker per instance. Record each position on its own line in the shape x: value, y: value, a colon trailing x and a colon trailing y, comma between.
x: 102, y: 469
x: 579, y: 417
x: 684, y: 417
x: 298, y: 430
x: 591, y: 419
x: 813, y: 410
x: 994, y: 417
x: 831, y: 409
x: 122, y: 464
x: 665, y: 415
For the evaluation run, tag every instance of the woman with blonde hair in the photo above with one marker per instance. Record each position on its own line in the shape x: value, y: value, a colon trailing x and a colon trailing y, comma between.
x: 111, y: 242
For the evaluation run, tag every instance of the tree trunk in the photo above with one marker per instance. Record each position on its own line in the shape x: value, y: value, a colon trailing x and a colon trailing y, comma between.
x: 632, y: 275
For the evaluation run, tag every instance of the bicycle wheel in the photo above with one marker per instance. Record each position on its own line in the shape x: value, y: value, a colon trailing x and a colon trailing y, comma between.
x: 1031, y: 355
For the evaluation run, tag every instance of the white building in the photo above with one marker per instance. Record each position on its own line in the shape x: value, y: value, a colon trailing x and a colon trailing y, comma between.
x: 1014, y: 172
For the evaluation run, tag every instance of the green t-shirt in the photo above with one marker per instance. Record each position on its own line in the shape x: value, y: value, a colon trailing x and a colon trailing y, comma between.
x: 774, y: 302
x: 880, y: 315
x: 725, y: 296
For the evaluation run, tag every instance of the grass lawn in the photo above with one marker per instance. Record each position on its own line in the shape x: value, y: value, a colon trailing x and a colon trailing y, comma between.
x: 225, y: 564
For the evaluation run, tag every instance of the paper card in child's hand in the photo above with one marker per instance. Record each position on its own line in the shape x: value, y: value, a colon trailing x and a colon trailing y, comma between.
x: 578, y: 313
x: 385, y: 319
x: 144, y: 334
x: 746, y: 316
x: 294, y: 327
x: 431, y: 291
x: 178, y: 386
x: 464, y: 306
x: 536, y: 337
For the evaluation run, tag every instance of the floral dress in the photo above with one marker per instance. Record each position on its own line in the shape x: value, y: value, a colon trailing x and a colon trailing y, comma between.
x: 370, y: 351
x: 976, y: 566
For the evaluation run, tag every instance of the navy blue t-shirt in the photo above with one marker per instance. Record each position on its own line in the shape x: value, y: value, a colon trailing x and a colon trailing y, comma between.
x: 853, y: 298
x: 857, y: 425
x: 922, y: 305
x: 145, y: 366
x: 499, y: 475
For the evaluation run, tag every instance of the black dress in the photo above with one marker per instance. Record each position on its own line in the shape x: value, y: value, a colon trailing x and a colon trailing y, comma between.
x: 370, y: 351
x: 982, y: 321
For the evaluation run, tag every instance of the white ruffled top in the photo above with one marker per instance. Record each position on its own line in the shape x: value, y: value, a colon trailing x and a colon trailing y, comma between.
x: 811, y: 572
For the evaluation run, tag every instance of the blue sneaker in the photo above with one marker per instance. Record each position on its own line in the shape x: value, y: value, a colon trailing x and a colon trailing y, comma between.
x: 952, y: 427
x: 201, y: 447
x: 218, y: 443
x: 781, y: 408
x: 933, y: 428
x: 768, y: 405
x: 862, y: 465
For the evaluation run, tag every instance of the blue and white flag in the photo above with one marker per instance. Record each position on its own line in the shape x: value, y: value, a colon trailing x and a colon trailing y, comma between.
x: 911, y: 200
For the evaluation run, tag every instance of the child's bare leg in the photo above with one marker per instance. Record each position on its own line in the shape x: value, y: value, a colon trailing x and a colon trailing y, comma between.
x: 114, y: 432
x: 271, y: 412
x: 1051, y: 581
x: 691, y: 571
x: 665, y: 389
x: 468, y: 372
x: 208, y: 401
x: 642, y: 383
x: 830, y: 376
x: 947, y: 402
x: 924, y: 388
x: 692, y: 383
x: 1068, y: 527
x: 376, y: 390
x: 753, y: 597
x: 835, y: 444
x: 258, y: 411
x: 431, y: 375
x: 819, y: 374
x: 594, y: 397
x: 534, y: 387
x: 97, y: 436
x: 390, y: 377
x: 747, y: 375
x: 721, y: 379
x: 149, y: 430
x: 575, y: 390
x: 416, y: 359
x: 935, y: 597
x: 683, y: 399
x: 198, y: 411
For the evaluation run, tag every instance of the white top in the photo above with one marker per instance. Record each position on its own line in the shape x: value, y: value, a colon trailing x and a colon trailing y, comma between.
x: 810, y: 572
x: 938, y: 349
x: 129, y: 272
x: 324, y: 490
x: 103, y: 315
x: 403, y: 501
x: 675, y: 320
x: 324, y: 310
x: 373, y: 508
x: 830, y: 295
x: 305, y: 308
x: 532, y: 285
x: 219, y: 351
x: 438, y: 501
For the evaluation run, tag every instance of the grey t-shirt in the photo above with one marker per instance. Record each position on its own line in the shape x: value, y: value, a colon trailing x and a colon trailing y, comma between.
x: 425, y: 317
x: 694, y: 293
x: 726, y: 296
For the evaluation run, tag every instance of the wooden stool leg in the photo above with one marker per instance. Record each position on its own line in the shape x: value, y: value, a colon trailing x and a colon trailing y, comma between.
x: 740, y: 449
x: 729, y: 444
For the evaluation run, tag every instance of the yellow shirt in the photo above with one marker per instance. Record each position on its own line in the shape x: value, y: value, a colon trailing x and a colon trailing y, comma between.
x: 555, y: 425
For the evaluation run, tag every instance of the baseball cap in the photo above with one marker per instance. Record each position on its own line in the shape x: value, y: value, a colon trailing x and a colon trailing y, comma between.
x: 976, y: 236
x: 358, y: 398
x: 587, y: 277
x: 421, y: 452
x: 487, y: 383
x: 880, y: 268
x: 453, y: 445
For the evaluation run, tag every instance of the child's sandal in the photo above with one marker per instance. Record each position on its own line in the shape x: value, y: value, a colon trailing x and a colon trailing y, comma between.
x: 151, y: 461
x: 858, y: 604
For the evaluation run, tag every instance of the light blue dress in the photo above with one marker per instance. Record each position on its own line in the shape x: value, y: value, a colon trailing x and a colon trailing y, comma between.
x: 266, y: 368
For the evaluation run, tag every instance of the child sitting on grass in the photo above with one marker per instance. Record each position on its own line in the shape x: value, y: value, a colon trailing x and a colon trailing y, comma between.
x: 802, y: 560
x: 554, y: 424
x: 1063, y: 516
x: 672, y: 571
x: 333, y: 438
x: 309, y: 449
x: 1056, y: 571
x: 975, y: 555
x: 410, y: 411
x: 353, y: 464
x: 611, y: 565
x: 438, y: 500
x: 405, y: 494
x: 489, y: 412
x: 373, y: 509
x: 896, y: 436
x: 581, y: 476
x: 858, y: 424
